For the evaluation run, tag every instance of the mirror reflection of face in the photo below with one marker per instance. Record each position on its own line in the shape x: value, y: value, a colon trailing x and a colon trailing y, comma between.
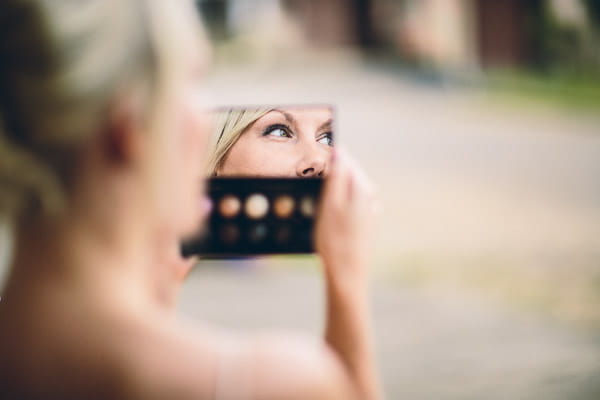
x: 284, y: 142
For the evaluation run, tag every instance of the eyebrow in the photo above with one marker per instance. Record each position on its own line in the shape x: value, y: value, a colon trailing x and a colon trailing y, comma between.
x: 325, y: 125
x: 289, y: 117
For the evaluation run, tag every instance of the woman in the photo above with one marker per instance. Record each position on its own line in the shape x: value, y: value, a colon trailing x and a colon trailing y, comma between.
x: 99, y: 143
x: 277, y: 142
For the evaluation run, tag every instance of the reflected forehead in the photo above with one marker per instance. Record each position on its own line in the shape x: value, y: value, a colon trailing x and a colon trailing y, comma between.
x: 308, y: 113
x: 309, y: 117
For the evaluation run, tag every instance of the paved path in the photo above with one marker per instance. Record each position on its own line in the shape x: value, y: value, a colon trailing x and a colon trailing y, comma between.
x: 431, y: 345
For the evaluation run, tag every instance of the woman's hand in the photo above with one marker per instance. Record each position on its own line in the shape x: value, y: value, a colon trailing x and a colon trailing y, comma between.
x: 345, y: 221
x: 343, y: 238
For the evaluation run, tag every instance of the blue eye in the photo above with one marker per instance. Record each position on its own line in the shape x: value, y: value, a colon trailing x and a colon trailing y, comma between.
x: 278, y: 131
x: 326, y: 139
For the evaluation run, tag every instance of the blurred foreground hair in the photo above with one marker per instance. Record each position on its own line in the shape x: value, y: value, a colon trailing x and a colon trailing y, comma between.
x: 61, y: 65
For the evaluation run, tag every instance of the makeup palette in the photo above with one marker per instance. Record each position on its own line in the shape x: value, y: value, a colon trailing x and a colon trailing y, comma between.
x: 252, y: 216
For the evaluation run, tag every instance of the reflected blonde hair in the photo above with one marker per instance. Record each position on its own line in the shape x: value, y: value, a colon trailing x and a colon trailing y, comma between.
x: 229, y: 125
x: 62, y: 64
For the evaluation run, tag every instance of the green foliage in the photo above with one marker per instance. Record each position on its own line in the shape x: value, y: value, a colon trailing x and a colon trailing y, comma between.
x: 593, y: 9
x: 559, y: 48
x: 562, y: 89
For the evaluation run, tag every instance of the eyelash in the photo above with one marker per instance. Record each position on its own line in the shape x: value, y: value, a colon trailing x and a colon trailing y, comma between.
x: 328, y: 135
x: 288, y: 131
x: 274, y: 127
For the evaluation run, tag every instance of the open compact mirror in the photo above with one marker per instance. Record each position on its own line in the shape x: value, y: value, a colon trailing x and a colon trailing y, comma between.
x: 265, y: 174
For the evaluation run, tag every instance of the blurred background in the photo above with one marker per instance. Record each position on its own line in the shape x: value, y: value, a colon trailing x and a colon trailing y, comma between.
x: 479, y: 121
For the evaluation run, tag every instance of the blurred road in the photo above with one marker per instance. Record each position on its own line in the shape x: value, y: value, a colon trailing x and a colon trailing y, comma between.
x: 431, y: 345
x: 488, y: 254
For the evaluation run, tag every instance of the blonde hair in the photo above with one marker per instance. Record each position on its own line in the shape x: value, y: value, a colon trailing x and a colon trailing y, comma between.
x: 230, y: 124
x: 61, y: 65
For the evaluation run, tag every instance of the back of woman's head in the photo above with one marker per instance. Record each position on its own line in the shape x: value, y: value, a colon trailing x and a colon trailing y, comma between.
x: 62, y: 62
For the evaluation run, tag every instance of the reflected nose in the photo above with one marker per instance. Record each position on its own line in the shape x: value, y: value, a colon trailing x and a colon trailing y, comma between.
x: 313, y: 165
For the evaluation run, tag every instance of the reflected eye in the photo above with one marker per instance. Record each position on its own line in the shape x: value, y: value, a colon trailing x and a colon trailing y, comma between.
x: 326, y: 139
x: 277, y: 130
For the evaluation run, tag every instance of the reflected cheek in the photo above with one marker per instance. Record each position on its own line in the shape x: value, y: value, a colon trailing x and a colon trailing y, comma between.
x: 328, y: 162
x: 256, y: 158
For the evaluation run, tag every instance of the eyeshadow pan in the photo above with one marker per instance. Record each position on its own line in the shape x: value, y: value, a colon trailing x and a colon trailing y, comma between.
x: 307, y: 206
x: 229, y: 234
x: 283, y: 235
x: 284, y: 206
x: 257, y: 206
x: 229, y: 206
x: 257, y: 233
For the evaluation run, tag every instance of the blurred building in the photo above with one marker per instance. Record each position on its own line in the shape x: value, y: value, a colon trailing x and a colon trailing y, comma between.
x: 468, y: 34
x: 455, y: 34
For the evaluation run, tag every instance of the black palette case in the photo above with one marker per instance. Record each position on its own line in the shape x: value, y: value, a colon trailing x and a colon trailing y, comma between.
x: 253, y: 216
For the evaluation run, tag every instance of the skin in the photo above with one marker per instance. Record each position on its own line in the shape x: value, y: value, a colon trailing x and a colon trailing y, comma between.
x: 84, y: 314
x: 300, y: 147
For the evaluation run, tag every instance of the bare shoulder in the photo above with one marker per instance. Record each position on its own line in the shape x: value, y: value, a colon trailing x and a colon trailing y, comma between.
x: 168, y: 361
x: 183, y: 362
x: 292, y: 366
